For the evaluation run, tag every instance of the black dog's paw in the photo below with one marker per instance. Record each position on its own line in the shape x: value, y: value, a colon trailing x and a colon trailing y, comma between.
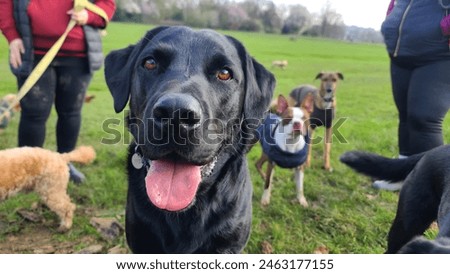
x: 350, y: 157
x: 420, y: 245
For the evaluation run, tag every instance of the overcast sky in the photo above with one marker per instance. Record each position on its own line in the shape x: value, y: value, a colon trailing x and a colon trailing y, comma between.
x: 362, y: 13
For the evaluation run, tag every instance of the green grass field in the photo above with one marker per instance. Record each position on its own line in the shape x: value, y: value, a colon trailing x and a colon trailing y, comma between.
x: 345, y: 215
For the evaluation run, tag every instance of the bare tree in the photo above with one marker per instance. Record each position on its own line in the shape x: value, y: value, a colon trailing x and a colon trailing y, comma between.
x: 252, y: 7
x: 270, y: 18
x: 332, y: 24
x: 298, y: 20
x: 232, y: 16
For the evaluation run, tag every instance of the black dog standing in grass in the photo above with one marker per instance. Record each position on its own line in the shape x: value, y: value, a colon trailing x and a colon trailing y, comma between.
x: 195, y: 99
x: 424, y: 197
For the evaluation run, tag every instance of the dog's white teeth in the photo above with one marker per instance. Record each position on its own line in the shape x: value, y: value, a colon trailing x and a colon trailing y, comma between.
x: 207, y: 169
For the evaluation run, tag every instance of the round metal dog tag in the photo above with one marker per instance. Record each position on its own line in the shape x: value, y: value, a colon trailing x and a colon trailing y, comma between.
x: 136, y: 161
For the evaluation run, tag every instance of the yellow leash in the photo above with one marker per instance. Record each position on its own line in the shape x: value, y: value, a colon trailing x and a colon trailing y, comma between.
x: 50, y: 55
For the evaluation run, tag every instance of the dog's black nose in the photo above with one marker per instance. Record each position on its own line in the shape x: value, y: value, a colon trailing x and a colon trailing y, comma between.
x: 178, y: 110
x: 329, y: 90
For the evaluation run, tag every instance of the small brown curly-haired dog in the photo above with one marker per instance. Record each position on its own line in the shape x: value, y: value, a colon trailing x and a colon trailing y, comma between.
x: 44, y: 171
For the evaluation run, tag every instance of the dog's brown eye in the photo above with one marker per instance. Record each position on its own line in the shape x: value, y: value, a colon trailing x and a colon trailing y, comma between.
x: 150, y: 64
x: 224, y: 74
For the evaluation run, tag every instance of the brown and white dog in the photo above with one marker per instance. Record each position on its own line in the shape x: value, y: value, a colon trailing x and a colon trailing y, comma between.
x: 284, y: 140
x: 324, y: 109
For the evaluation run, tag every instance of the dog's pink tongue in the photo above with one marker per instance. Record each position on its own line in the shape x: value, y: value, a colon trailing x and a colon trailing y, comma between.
x: 172, y: 186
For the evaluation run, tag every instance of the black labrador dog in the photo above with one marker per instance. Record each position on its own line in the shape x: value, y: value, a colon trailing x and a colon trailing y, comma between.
x: 195, y: 99
x: 424, y: 197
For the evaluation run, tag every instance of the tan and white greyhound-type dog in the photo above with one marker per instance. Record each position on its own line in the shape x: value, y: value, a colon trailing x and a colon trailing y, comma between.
x: 324, y: 109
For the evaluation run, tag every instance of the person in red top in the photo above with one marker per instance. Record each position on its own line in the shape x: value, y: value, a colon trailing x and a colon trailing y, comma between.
x: 31, y: 28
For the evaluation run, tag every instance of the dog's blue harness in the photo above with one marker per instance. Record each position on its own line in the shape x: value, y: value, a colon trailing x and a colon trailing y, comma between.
x: 282, y: 158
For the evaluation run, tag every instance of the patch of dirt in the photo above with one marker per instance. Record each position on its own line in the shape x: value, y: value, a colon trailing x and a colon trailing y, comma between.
x: 39, y: 240
x: 35, y: 232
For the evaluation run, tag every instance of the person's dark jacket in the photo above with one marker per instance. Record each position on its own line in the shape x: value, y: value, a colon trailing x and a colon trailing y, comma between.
x: 413, y: 28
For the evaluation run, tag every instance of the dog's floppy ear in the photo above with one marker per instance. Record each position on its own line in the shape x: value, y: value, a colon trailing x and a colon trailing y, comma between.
x: 119, y: 69
x: 340, y: 75
x: 259, y: 87
x: 319, y: 75
x: 118, y: 72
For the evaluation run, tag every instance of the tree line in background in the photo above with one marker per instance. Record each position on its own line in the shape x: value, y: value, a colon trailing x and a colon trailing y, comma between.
x: 246, y: 15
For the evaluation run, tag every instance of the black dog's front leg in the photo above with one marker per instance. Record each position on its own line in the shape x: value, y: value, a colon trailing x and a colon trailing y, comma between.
x: 416, y: 211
